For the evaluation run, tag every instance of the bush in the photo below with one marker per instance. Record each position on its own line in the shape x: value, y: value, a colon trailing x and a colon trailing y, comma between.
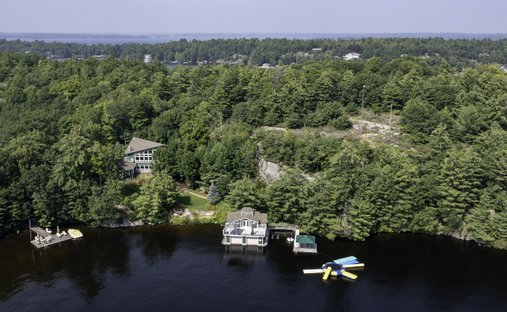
x: 341, y: 123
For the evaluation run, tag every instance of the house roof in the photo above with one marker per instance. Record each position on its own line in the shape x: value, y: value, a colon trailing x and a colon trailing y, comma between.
x: 247, y: 213
x: 137, y: 145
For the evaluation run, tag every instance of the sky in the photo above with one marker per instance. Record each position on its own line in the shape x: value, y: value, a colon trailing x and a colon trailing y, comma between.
x: 253, y: 16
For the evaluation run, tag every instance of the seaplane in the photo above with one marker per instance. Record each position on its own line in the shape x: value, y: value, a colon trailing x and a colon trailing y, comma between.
x: 338, y: 268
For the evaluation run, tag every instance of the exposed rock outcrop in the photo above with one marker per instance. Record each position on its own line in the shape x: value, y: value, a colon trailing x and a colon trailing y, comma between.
x: 269, y: 171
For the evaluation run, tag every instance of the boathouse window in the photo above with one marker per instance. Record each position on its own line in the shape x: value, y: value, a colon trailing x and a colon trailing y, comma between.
x: 244, y: 240
x: 260, y: 240
x: 227, y: 239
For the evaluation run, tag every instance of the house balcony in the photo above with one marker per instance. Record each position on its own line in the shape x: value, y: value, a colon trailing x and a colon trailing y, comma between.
x: 244, y: 230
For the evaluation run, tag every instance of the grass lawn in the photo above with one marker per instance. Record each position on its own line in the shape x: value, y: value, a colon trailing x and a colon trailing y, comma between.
x: 190, y: 201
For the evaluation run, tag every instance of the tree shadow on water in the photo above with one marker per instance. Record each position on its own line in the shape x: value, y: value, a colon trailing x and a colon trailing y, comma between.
x: 85, y: 262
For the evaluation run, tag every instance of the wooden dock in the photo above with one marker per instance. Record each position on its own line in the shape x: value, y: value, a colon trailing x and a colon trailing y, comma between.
x: 47, y: 239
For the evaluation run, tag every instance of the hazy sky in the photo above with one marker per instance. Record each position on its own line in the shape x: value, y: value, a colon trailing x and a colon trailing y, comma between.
x: 243, y: 16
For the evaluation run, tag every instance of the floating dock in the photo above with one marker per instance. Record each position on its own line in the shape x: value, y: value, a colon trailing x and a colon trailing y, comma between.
x: 337, y: 268
x: 44, y: 239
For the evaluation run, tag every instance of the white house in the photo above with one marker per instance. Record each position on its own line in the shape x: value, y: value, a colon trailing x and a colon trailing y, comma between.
x: 147, y: 59
x: 246, y: 227
x: 351, y: 56
x: 139, y: 156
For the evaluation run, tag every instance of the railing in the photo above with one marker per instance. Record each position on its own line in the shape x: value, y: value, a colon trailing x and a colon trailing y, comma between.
x: 283, y: 227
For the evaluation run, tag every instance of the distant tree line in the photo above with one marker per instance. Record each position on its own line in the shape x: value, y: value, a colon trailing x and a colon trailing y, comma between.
x: 458, y: 52
x: 64, y: 125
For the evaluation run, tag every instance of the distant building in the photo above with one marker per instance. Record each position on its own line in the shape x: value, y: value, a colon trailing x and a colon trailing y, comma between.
x: 139, y: 156
x: 351, y: 56
x: 246, y: 227
x: 317, y: 49
x: 266, y: 65
x: 100, y: 56
x: 147, y: 59
x: 504, y: 67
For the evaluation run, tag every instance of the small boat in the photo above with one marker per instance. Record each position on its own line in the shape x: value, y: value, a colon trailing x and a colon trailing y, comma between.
x: 75, y: 233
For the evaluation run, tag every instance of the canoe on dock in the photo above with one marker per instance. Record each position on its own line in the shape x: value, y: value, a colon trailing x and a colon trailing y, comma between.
x: 75, y: 233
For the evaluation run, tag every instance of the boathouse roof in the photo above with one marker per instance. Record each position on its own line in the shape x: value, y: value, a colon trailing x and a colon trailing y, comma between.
x: 247, y: 213
x: 137, y: 145
x: 305, y: 239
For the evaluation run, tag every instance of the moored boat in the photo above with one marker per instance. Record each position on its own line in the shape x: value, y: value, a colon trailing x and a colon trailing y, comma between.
x: 75, y: 233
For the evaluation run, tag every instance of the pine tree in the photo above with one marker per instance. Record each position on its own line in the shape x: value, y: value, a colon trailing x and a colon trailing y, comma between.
x: 213, y: 195
x: 361, y: 218
x: 459, y: 181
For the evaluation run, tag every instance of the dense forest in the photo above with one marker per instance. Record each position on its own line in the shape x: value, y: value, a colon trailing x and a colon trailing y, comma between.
x: 459, y: 53
x: 64, y: 127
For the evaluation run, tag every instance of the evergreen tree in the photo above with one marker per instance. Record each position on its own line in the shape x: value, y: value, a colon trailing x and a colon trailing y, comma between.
x: 156, y: 197
x: 459, y: 181
x: 246, y: 192
x: 213, y: 195
x: 285, y: 198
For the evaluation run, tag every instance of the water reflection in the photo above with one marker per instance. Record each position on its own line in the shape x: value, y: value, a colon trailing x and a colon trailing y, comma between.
x: 156, y: 243
x: 80, y: 261
x: 243, y: 257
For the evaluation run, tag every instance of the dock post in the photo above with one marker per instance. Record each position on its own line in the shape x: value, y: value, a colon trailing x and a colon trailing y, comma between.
x: 30, y: 228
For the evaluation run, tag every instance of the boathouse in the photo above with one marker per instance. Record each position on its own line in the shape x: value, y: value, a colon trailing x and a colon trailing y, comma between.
x: 246, y: 227
x: 304, y: 243
x: 139, y: 156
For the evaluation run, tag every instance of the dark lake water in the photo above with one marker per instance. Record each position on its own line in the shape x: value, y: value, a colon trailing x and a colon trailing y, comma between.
x: 168, y: 268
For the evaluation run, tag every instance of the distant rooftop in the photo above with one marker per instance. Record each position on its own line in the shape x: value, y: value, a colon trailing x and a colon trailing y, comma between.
x: 247, y: 213
x: 137, y: 145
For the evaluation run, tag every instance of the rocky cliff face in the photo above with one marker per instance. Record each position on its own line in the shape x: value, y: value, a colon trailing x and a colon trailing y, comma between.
x: 269, y: 171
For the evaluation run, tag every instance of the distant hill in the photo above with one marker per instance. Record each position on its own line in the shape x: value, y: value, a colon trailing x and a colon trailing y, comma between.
x: 160, y: 38
x: 459, y: 50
